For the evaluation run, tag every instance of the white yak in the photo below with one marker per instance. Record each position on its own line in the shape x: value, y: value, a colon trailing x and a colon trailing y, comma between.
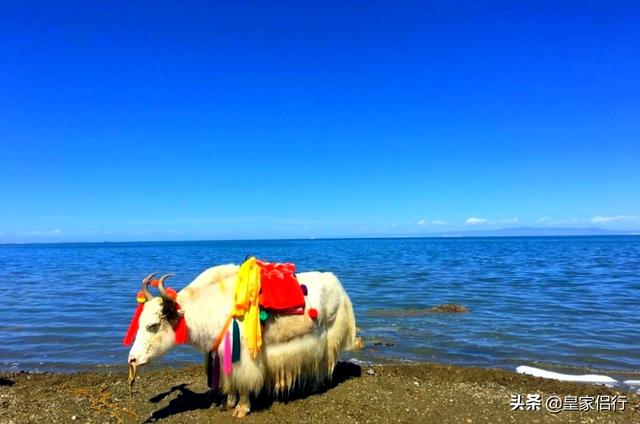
x: 296, y: 350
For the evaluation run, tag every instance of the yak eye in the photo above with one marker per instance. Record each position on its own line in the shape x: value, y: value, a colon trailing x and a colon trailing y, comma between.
x: 153, y: 328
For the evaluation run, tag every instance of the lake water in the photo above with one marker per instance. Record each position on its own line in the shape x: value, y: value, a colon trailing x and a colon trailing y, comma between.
x: 572, y: 303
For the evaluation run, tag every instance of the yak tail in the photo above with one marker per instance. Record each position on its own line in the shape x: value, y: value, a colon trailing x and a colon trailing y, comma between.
x: 350, y: 334
x: 342, y: 333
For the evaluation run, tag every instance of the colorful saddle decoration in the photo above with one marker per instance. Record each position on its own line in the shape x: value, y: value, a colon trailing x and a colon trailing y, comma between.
x: 280, y: 292
x: 261, y: 288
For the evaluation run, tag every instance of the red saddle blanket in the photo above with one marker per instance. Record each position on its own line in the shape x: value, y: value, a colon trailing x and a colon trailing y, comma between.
x: 280, y: 291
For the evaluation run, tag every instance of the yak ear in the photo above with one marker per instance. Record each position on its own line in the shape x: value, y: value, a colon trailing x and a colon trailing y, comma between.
x: 170, y: 311
x: 168, y: 308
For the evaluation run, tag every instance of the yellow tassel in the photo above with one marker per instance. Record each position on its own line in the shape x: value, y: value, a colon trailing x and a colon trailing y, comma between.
x: 246, y: 304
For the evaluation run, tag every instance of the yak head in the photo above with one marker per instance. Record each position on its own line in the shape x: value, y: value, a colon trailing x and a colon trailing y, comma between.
x: 156, y: 325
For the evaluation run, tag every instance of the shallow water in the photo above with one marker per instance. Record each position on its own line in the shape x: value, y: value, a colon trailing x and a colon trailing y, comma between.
x: 570, y: 302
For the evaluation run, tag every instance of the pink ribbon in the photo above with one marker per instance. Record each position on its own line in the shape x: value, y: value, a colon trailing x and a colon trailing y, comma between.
x: 227, y: 354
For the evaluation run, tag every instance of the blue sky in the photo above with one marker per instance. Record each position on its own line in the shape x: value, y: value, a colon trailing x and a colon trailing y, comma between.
x: 209, y: 120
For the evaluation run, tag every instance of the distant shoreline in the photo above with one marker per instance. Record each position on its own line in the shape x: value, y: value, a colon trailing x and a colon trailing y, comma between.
x: 492, y: 234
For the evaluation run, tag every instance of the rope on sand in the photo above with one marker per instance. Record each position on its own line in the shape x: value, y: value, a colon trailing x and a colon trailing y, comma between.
x: 132, y: 377
x: 103, y: 403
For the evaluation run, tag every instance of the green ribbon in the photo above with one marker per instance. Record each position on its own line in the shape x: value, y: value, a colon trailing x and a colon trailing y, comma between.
x: 235, y: 350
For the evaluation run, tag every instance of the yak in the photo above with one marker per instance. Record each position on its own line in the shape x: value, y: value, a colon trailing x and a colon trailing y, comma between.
x: 298, y: 351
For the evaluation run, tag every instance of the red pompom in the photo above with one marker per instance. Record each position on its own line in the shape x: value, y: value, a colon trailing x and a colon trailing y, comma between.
x: 171, y: 293
x: 140, y: 297
x: 154, y: 283
x: 313, y: 313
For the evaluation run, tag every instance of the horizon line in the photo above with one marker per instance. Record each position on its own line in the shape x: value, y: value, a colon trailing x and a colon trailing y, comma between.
x: 434, y: 236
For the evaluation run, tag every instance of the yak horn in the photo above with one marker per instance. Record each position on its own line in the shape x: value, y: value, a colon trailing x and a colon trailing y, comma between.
x: 145, y: 286
x: 163, y: 291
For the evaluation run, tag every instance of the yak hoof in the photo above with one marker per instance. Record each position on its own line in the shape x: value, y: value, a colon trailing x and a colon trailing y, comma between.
x: 230, y: 403
x: 241, y: 411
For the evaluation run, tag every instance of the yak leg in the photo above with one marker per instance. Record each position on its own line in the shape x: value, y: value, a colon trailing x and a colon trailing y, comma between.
x: 243, y: 407
x: 232, y: 400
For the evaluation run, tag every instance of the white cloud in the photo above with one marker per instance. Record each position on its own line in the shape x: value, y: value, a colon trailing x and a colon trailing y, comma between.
x: 598, y: 219
x: 476, y: 221
x: 422, y: 222
x: 438, y: 222
x: 606, y: 219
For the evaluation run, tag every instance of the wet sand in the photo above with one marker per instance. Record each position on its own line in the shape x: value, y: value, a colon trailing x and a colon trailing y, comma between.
x: 420, y: 393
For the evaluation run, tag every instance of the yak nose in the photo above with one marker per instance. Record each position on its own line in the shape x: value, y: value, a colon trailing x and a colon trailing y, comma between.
x: 132, y: 360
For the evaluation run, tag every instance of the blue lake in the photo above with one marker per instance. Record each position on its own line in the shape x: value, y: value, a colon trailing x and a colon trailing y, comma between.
x: 571, y: 303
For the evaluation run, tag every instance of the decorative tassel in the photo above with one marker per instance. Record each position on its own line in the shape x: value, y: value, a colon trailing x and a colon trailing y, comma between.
x: 133, y: 327
x: 246, y: 304
x: 215, y: 372
x: 181, y: 331
x: 227, y: 354
x: 235, y: 356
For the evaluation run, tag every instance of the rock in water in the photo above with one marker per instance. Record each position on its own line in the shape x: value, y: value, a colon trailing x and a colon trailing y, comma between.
x: 450, y: 307
x: 418, y: 312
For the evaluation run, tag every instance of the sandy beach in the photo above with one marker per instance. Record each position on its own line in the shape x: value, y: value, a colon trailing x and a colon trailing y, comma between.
x: 390, y: 393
